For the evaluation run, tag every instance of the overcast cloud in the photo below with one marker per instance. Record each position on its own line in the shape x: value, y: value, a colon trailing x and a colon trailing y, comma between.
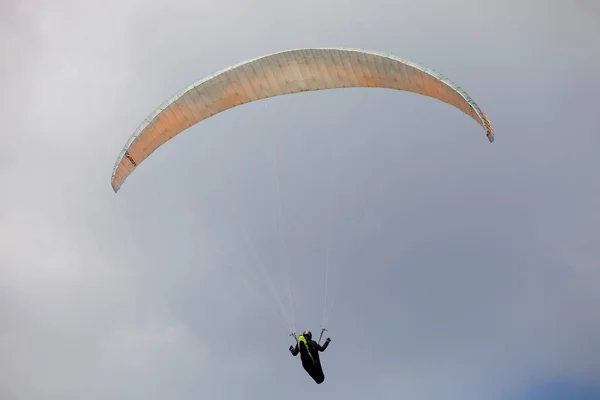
x: 459, y: 269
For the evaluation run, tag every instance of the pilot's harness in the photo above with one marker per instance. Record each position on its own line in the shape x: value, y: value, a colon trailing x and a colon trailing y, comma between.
x: 302, y: 340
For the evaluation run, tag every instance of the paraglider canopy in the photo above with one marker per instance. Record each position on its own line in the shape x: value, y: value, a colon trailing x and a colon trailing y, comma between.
x: 282, y: 73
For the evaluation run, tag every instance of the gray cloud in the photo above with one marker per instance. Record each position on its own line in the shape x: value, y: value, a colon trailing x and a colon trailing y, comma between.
x: 458, y: 268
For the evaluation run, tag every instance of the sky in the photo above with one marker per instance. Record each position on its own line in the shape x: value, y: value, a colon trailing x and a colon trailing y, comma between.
x: 458, y: 269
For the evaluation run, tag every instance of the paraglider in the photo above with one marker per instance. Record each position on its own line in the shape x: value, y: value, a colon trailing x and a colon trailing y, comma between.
x: 309, y: 355
x: 283, y: 73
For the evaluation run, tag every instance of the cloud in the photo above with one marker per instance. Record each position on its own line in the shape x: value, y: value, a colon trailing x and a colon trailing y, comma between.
x: 458, y: 268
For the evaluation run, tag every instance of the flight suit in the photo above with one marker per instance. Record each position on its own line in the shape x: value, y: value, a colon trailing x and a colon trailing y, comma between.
x: 309, y: 355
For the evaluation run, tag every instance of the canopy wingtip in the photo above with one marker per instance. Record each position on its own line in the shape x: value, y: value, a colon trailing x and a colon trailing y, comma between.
x: 115, y: 186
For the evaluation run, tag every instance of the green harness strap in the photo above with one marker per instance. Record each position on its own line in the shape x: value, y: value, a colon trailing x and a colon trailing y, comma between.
x: 302, y: 339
